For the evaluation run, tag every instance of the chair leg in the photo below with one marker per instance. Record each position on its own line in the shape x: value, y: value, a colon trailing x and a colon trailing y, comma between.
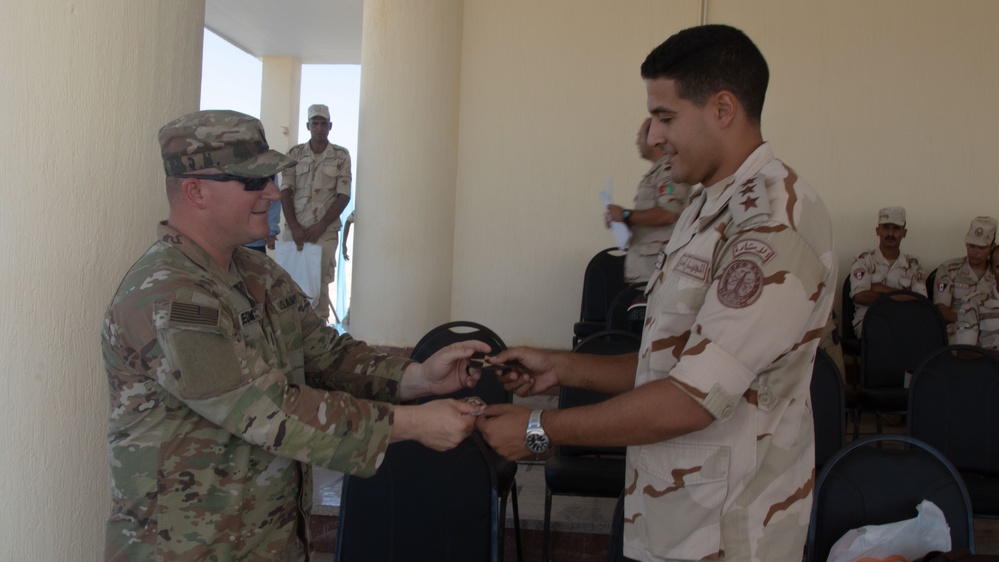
x: 516, y: 522
x: 547, y: 526
x: 500, y: 526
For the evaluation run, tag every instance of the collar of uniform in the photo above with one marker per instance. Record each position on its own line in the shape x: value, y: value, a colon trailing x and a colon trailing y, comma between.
x: 196, y: 253
x: 752, y: 166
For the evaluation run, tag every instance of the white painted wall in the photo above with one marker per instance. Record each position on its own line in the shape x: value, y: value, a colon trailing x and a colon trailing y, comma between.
x: 407, y: 158
x: 86, y: 85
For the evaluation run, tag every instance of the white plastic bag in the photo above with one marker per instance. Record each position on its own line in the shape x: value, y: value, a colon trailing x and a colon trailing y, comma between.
x: 912, y: 538
x: 305, y: 266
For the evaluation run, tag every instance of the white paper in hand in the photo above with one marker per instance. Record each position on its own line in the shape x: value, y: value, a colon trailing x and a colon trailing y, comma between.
x: 620, y: 230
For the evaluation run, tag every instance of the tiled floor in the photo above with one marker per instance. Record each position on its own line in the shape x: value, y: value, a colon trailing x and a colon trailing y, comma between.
x: 581, y: 524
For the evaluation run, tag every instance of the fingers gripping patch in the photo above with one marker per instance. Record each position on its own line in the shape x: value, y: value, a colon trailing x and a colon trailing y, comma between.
x: 741, y: 284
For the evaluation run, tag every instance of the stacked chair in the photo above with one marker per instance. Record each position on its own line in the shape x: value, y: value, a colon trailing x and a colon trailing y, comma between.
x: 954, y: 406
x: 429, y: 505
x: 864, y: 484
x: 900, y: 328
x: 828, y: 409
x: 602, y: 281
x: 586, y: 471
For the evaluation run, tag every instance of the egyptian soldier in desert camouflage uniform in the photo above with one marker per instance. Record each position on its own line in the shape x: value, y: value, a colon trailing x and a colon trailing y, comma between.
x: 884, y: 269
x: 716, y: 412
x: 658, y: 204
x: 314, y: 194
x: 962, y: 284
x: 224, y: 384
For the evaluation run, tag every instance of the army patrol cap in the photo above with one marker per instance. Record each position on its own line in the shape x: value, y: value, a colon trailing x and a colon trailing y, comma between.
x: 229, y: 141
x: 318, y: 110
x: 892, y: 215
x: 982, y: 231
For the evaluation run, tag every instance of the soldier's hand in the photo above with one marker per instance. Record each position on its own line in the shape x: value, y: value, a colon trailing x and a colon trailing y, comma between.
x: 298, y: 235
x: 538, y: 370
x: 616, y: 213
x: 504, y: 427
x: 444, y: 372
x: 439, y: 425
x: 313, y: 233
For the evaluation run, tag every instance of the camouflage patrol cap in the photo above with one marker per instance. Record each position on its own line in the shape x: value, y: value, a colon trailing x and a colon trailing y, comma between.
x: 892, y: 215
x: 229, y: 141
x: 982, y: 231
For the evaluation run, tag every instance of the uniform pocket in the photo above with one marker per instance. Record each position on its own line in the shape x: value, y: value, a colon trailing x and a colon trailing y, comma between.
x: 683, y: 487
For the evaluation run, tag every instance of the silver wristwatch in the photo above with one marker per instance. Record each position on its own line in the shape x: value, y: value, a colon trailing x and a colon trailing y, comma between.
x: 537, y: 440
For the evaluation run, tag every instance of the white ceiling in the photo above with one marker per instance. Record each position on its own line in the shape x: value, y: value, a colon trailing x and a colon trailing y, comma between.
x: 315, y: 31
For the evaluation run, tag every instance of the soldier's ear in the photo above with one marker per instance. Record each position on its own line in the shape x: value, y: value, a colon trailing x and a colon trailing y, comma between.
x: 191, y: 192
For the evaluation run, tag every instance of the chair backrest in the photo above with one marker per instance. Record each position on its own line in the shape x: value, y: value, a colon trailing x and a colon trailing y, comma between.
x: 849, y: 311
x: 627, y: 310
x: 828, y: 408
x: 608, y: 342
x: 421, y: 505
x: 900, y: 328
x: 602, y: 280
x: 954, y: 406
x: 488, y: 388
x: 867, y: 485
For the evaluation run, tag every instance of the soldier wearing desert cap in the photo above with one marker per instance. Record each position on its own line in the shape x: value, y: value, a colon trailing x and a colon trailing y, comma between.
x: 224, y: 384
x: 962, y: 284
x: 885, y: 268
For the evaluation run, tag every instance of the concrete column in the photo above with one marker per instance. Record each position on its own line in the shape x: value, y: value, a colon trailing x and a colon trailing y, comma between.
x: 279, y: 101
x: 406, y: 169
x: 86, y: 87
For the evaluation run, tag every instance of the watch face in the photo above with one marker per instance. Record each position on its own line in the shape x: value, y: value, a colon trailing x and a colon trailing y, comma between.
x: 537, y: 442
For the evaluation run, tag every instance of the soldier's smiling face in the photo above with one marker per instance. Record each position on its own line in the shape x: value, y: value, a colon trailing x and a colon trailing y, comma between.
x: 687, y: 133
x: 238, y: 216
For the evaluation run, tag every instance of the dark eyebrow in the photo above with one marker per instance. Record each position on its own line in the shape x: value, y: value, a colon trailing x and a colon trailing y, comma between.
x: 660, y: 109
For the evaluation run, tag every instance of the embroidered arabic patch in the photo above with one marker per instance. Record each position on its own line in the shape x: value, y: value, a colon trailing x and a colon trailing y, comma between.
x: 741, y: 284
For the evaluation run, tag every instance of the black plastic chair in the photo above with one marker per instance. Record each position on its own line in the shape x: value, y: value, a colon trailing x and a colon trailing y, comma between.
x: 866, y: 485
x: 422, y: 505
x: 586, y: 471
x: 490, y: 390
x: 828, y: 409
x: 900, y: 328
x: 627, y: 310
x: 954, y: 407
x: 615, y: 547
x: 602, y: 281
x: 849, y: 339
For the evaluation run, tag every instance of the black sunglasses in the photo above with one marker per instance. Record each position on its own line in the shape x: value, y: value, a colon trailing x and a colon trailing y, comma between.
x: 249, y: 184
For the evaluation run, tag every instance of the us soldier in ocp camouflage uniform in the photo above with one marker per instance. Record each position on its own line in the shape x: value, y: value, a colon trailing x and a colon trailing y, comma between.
x: 715, y: 407
x: 884, y: 269
x: 224, y: 384
x: 962, y: 284
x: 658, y: 204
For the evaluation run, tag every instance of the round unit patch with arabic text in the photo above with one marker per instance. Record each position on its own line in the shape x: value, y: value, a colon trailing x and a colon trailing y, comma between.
x: 741, y: 284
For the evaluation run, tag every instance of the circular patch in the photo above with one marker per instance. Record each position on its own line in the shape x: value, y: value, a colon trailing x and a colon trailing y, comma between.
x: 741, y: 284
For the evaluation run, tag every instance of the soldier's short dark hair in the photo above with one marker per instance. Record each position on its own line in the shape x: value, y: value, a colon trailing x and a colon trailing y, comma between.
x: 707, y: 59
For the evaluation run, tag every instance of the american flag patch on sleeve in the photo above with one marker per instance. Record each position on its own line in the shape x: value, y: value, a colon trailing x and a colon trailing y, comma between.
x: 193, y: 314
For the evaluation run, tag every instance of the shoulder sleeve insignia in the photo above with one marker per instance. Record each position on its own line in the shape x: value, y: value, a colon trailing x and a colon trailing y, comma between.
x: 753, y: 247
x: 666, y: 189
x: 750, y: 200
x: 286, y: 303
x: 741, y: 284
x: 859, y: 273
x: 193, y: 314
